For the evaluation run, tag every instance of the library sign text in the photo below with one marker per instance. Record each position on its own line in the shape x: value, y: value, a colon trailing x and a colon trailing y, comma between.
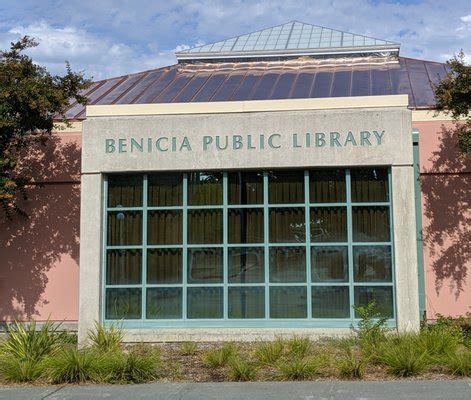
x: 274, y: 141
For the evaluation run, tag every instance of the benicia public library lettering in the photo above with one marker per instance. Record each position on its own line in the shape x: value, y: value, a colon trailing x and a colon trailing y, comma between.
x: 246, y: 142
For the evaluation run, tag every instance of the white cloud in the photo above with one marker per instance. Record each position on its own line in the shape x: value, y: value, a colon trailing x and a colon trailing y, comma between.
x: 113, y: 37
x: 97, y: 56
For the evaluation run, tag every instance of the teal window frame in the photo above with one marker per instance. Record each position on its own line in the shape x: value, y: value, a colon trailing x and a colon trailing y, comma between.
x: 185, y: 322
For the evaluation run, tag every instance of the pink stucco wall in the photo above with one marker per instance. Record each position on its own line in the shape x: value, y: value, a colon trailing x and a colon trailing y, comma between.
x: 39, y: 254
x: 446, y: 220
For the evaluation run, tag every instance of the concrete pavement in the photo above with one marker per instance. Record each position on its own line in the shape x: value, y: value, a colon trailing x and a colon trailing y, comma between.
x: 332, y: 390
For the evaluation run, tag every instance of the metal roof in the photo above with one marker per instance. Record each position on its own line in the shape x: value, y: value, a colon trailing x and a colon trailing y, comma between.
x: 288, y: 40
x: 269, y: 80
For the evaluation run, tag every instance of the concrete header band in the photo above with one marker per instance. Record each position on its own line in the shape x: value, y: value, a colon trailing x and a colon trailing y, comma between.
x: 400, y: 100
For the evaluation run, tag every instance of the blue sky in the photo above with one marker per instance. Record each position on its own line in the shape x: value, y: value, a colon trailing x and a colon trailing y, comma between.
x: 107, y: 38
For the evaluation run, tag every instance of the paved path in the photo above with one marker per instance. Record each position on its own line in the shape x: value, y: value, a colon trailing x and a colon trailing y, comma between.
x: 390, y: 390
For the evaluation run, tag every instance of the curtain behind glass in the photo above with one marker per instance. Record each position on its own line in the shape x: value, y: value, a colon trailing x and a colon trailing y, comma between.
x: 286, y: 187
x: 369, y: 184
x: 125, y: 190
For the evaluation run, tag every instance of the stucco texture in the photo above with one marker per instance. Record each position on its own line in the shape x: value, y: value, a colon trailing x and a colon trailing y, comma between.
x: 39, y: 253
x: 446, y: 220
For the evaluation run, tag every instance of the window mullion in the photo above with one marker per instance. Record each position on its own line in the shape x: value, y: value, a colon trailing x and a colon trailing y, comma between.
x: 308, y: 243
x: 350, y: 240
x: 185, y: 246
x: 225, y: 258
x: 266, y: 238
x: 144, y: 249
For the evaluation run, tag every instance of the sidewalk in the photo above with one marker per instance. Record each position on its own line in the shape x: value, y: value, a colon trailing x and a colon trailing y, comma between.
x: 390, y: 390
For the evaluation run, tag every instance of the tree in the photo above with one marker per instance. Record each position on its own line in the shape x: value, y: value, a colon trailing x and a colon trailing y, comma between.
x: 32, y: 100
x: 453, y: 96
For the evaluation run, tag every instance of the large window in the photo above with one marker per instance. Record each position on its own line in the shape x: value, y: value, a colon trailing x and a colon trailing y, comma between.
x: 252, y: 247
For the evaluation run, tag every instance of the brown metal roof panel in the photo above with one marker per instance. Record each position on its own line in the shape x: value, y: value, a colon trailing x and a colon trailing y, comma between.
x: 302, y: 86
x: 156, y: 88
x: 341, y: 85
x: 140, y: 87
x: 421, y: 86
x: 210, y: 87
x: 77, y: 108
x: 190, y: 90
x: 400, y: 81
x: 228, y: 87
x: 361, y: 82
x: 322, y: 84
x: 265, y: 86
x: 173, y: 88
x: 380, y: 84
x: 284, y: 86
x: 121, y: 89
x: 436, y: 72
x: 245, y: 89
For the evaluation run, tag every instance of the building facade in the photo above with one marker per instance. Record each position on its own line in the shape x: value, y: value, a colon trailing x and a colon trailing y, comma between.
x: 266, y: 184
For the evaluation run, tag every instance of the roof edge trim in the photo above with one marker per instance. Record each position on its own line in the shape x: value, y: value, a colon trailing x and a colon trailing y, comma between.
x: 223, y: 107
x: 290, y: 52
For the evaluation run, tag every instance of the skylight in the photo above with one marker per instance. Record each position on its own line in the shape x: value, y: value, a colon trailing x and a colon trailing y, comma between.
x: 291, y: 39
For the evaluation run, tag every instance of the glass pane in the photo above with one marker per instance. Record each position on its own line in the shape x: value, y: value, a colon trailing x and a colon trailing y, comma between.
x: 164, y: 303
x: 245, y: 187
x: 330, y: 302
x: 287, y: 264
x: 382, y: 296
x: 369, y: 184
x: 205, y: 265
x: 164, y: 266
x: 329, y: 264
x: 205, y: 226
x: 205, y: 302
x: 372, y: 263
x: 123, y: 303
x: 204, y: 188
x: 124, y: 190
x: 246, y: 265
x: 329, y: 224
x: 286, y: 187
x: 288, y: 302
x: 246, y: 225
x: 165, y: 189
x: 287, y: 225
x: 371, y: 224
x: 124, y: 228
x: 164, y: 227
x: 123, y: 267
x: 246, y: 302
x: 327, y: 186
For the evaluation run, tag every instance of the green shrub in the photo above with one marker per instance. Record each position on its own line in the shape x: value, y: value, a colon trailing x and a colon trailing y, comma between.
x: 105, y: 338
x: 403, y: 356
x: 351, y: 364
x: 298, y: 346
x: 20, y: 370
x: 438, y: 341
x: 72, y: 365
x: 371, y: 327
x: 27, y: 343
x: 139, y: 365
x: 269, y: 352
x: 188, y: 348
x: 217, y: 358
x: 297, y: 368
x: 459, y: 363
x: 242, y: 370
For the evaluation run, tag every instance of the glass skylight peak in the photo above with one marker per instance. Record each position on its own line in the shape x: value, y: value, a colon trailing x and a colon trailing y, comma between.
x: 290, y: 39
